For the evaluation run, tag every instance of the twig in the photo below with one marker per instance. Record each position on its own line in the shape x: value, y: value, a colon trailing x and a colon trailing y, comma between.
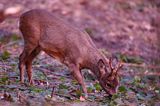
x: 142, y: 74
x: 56, y: 75
x: 62, y: 95
x: 141, y: 65
x: 53, y: 93
x: 3, y: 65
x: 21, y: 97
x: 9, y: 44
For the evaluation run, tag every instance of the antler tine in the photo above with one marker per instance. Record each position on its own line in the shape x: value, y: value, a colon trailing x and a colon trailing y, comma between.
x: 113, y: 70
x: 110, y: 64
x: 120, y: 65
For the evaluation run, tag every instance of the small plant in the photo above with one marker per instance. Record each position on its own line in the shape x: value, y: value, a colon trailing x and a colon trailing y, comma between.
x: 4, y: 80
x: 122, y: 89
x: 89, y: 31
x: 97, y: 86
x: 129, y: 59
x: 5, y: 55
x: 35, y: 89
x: 15, y: 37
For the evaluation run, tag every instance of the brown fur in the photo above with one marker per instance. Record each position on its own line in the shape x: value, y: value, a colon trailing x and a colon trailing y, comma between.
x: 42, y: 31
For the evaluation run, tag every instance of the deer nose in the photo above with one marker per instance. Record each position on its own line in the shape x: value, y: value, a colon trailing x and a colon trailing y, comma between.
x: 111, y: 92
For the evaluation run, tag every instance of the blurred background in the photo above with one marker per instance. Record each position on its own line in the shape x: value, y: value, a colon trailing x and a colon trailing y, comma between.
x: 128, y: 30
x: 121, y: 26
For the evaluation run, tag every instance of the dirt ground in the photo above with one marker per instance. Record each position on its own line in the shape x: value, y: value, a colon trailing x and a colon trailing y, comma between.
x: 123, y: 29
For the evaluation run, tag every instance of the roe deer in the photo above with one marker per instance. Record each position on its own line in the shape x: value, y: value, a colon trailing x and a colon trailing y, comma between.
x: 42, y: 31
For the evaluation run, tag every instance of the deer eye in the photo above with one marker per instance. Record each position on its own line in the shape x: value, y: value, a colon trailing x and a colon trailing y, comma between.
x: 110, y: 85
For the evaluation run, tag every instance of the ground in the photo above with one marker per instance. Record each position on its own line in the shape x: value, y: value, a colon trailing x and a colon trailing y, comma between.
x: 122, y: 29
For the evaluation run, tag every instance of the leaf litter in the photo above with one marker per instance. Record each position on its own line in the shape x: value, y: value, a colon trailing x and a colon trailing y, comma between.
x: 139, y: 85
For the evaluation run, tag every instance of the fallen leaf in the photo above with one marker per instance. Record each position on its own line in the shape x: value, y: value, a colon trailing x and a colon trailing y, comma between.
x: 82, y: 99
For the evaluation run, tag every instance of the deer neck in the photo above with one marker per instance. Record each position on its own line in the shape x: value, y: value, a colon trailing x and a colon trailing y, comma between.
x: 92, y: 62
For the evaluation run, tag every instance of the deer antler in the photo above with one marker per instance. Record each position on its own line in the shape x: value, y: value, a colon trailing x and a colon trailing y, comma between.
x: 110, y: 64
x: 119, y: 66
x: 114, y: 70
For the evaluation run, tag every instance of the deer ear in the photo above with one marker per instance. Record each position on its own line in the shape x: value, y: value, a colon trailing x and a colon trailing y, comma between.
x: 101, y: 67
x: 101, y: 64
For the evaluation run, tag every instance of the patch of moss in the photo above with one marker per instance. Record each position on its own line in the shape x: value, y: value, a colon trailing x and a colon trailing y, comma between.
x: 5, y: 55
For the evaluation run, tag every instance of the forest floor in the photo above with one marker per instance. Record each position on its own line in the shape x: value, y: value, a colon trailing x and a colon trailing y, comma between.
x: 121, y: 29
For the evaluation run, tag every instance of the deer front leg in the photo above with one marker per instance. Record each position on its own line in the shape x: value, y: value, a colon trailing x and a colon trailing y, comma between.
x: 78, y: 76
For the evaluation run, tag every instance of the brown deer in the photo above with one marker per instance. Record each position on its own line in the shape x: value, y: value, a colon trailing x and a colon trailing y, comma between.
x: 42, y: 31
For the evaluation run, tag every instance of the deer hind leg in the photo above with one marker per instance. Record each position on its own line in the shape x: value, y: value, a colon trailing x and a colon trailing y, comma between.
x: 78, y: 76
x: 28, y: 63
x: 31, y: 39
x: 21, y: 65
x: 23, y: 58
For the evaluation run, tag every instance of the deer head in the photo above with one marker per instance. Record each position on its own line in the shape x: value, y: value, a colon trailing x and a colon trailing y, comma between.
x: 109, y: 81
